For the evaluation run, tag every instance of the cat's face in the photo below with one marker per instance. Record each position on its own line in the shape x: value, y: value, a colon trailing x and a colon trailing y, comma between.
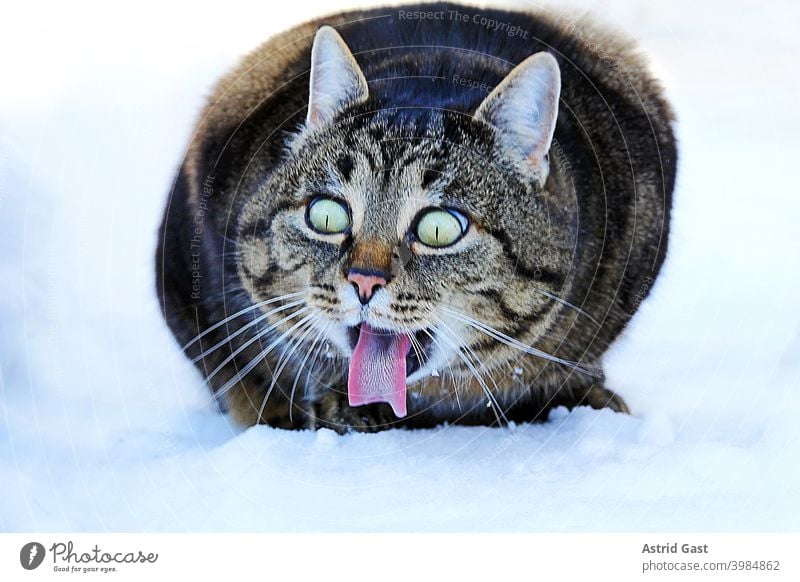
x: 420, y: 231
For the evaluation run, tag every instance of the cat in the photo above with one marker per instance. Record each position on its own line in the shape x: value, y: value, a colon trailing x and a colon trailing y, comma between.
x: 419, y: 214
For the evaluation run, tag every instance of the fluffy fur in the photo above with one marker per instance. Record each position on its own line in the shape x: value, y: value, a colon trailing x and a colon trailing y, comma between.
x: 556, y: 259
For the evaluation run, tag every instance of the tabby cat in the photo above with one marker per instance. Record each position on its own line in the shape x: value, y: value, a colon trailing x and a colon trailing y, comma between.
x: 405, y: 216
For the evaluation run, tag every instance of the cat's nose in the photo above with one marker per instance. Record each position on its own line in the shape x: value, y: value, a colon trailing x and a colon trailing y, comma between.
x: 366, y: 282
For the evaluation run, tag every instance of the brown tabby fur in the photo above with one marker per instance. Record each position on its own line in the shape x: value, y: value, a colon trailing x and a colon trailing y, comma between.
x: 559, y: 266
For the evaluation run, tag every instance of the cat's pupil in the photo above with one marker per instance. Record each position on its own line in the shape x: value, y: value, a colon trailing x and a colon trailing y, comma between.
x: 328, y: 216
x: 440, y: 228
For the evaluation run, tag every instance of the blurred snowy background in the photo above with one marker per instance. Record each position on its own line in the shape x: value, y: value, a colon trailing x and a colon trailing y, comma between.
x: 105, y: 426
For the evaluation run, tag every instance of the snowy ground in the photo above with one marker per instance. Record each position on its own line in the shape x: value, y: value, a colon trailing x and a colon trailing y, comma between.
x: 105, y: 426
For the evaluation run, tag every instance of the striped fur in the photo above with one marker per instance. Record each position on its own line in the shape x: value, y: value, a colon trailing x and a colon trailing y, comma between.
x: 559, y: 265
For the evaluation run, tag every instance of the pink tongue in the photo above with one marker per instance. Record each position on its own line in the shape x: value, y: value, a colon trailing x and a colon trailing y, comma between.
x: 378, y: 369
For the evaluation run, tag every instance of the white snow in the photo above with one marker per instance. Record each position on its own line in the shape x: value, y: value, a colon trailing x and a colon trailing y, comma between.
x: 104, y: 425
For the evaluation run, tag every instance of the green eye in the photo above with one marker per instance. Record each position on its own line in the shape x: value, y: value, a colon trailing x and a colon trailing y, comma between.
x: 441, y: 228
x: 328, y: 216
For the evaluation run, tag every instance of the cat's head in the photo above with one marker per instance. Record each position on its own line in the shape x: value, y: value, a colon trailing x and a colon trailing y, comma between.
x: 422, y: 240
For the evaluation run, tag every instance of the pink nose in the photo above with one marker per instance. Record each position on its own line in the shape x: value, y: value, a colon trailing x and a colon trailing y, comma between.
x: 366, y: 282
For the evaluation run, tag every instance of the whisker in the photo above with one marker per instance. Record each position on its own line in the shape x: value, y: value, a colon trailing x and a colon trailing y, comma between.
x: 435, y: 340
x: 498, y: 412
x: 472, y: 353
x: 284, y: 359
x: 227, y: 239
x: 558, y: 299
x: 510, y: 341
x: 317, y: 362
x: 415, y: 345
x: 255, y: 338
x: 238, y: 313
x: 320, y: 333
x: 258, y: 358
x: 245, y: 327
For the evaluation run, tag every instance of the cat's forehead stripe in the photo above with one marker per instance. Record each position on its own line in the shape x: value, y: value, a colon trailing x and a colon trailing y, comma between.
x: 385, y: 194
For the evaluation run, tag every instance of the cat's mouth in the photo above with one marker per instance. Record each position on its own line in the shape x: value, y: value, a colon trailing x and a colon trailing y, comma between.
x: 381, y: 362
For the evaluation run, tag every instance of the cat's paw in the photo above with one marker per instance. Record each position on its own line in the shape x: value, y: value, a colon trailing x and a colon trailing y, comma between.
x: 331, y: 410
x: 600, y: 397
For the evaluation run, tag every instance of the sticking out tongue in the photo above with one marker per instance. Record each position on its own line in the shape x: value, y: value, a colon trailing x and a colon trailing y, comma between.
x: 378, y: 369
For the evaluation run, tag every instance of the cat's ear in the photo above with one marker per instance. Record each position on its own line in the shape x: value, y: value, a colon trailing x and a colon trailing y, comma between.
x: 524, y: 108
x: 336, y: 79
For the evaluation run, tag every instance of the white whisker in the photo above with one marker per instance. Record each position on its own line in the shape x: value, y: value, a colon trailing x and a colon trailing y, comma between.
x: 238, y: 313
x: 320, y: 333
x: 568, y: 304
x: 239, y: 376
x: 510, y: 341
x: 472, y: 353
x: 284, y: 359
x: 255, y: 338
x: 449, y: 365
x: 244, y: 328
x: 498, y: 412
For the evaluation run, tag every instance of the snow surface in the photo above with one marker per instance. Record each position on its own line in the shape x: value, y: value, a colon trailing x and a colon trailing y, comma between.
x: 105, y: 426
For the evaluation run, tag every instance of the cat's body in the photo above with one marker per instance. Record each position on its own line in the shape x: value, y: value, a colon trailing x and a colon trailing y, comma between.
x: 561, y: 234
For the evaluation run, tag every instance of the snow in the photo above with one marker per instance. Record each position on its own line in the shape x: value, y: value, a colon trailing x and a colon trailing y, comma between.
x: 104, y: 425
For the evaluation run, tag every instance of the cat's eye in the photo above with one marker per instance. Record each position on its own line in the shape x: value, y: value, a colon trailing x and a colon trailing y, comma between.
x: 440, y: 227
x: 328, y: 216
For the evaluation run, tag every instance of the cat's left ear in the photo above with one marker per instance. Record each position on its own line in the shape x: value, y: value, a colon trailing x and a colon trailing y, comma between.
x: 524, y: 108
x: 336, y: 79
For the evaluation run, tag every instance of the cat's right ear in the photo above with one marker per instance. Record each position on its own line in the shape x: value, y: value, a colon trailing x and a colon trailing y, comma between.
x: 336, y: 79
